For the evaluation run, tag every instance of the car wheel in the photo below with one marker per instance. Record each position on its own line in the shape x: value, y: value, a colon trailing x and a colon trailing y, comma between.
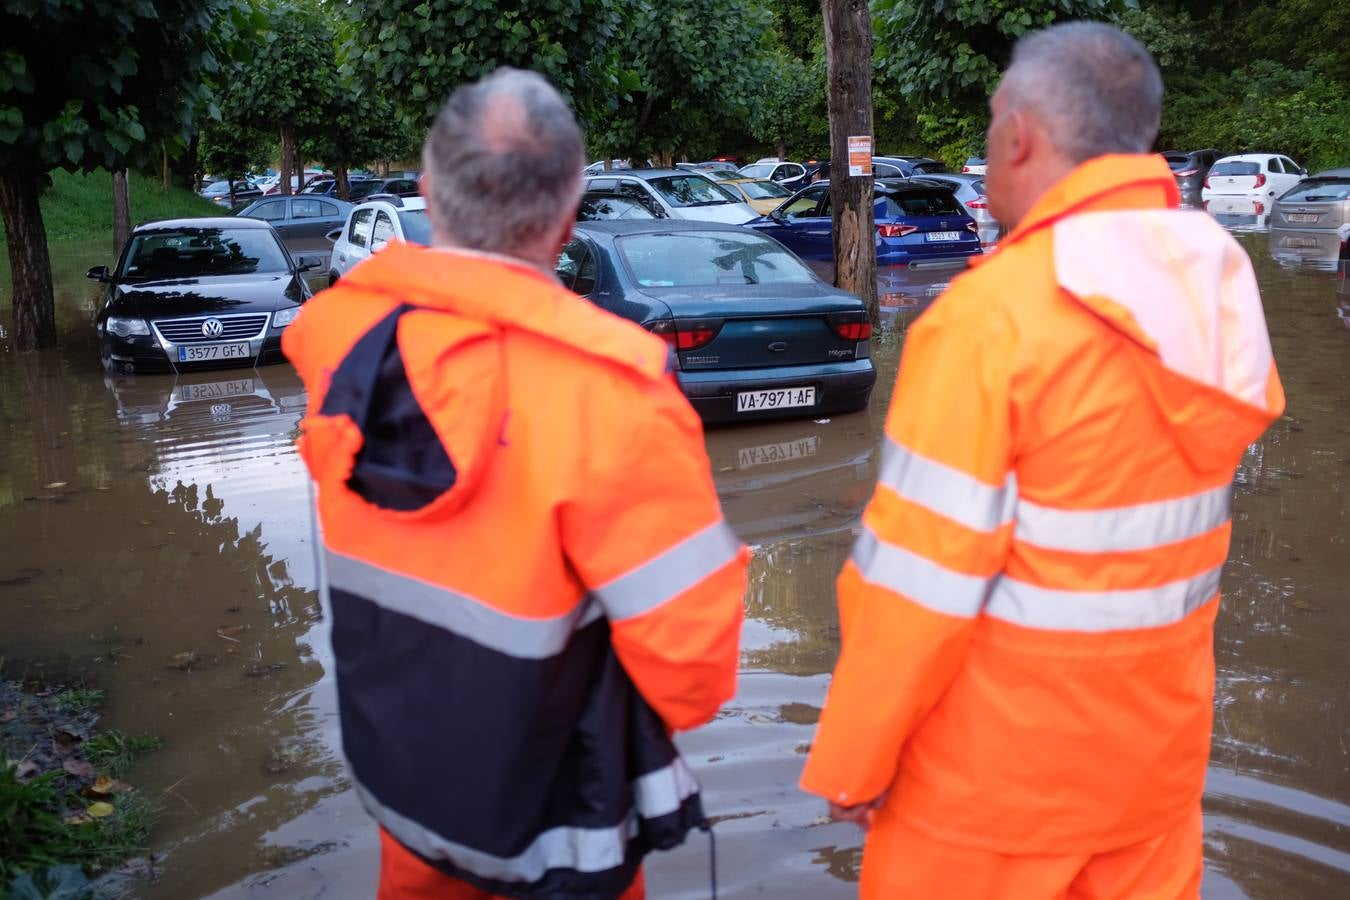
x: 333, y: 278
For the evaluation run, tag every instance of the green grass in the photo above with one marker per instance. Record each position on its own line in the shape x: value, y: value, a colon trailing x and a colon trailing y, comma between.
x: 79, y: 207
x: 113, y: 752
x: 78, y: 700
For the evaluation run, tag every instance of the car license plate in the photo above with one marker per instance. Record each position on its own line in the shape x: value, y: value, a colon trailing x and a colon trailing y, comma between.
x: 772, y: 453
x: 944, y: 235
x: 783, y: 398
x: 1304, y: 242
x: 1303, y: 217
x: 208, y: 352
x: 216, y: 390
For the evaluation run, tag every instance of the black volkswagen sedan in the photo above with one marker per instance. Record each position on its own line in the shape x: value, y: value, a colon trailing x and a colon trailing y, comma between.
x: 199, y: 293
x: 754, y: 333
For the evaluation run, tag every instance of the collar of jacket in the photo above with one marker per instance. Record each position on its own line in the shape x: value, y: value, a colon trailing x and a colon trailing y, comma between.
x: 1118, y: 181
x: 509, y: 294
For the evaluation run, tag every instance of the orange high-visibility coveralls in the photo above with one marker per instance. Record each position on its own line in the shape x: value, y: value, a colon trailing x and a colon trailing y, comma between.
x: 529, y: 575
x: 1027, y: 666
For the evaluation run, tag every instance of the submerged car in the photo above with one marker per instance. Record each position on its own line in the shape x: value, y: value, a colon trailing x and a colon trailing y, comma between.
x: 754, y: 333
x: 372, y: 225
x: 191, y: 294
x: 919, y: 224
x: 1262, y: 176
x: 1343, y: 277
x: 1190, y: 168
x: 1305, y: 223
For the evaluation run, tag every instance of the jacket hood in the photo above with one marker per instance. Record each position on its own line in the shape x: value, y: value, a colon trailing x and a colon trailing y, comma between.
x: 1184, y: 292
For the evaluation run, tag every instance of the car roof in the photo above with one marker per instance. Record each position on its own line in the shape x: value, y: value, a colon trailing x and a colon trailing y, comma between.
x: 202, y: 222
x: 618, y: 227
x: 1332, y: 173
x: 409, y: 203
x: 1248, y: 157
x: 645, y: 174
x: 963, y: 177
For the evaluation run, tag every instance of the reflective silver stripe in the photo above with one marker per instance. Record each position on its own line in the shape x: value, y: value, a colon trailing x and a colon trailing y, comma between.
x: 657, y: 794
x: 946, y: 491
x: 918, y: 578
x: 1060, y: 610
x: 458, y: 613
x: 670, y: 573
x: 1123, y: 528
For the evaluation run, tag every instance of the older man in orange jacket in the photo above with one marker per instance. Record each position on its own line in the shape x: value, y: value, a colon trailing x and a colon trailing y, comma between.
x: 530, y: 579
x: 1022, y: 705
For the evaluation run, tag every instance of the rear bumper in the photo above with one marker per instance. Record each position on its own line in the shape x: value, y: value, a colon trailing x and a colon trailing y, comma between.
x: 840, y: 387
x: 957, y: 260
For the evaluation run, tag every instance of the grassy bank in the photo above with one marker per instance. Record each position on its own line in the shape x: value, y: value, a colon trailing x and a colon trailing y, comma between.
x: 79, y: 207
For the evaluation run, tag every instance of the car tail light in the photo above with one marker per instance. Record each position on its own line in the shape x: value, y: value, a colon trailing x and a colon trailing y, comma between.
x: 979, y: 203
x: 686, y: 334
x: 1260, y: 180
x: 1259, y: 207
x: 972, y: 227
x: 1187, y: 173
x: 965, y: 170
x: 851, y: 326
x: 1206, y: 181
x: 896, y: 231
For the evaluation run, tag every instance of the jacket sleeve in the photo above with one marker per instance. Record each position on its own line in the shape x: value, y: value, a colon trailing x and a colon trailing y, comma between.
x: 647, y: 538
x: 935, y: 534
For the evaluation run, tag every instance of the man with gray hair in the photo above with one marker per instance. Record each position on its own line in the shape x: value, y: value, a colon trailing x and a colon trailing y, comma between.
x: 1022, y: 703
x: 530, y: 580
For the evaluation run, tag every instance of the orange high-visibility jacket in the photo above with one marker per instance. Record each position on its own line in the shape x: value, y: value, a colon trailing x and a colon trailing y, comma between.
x: 1027, y: 652
x: 530, y: 579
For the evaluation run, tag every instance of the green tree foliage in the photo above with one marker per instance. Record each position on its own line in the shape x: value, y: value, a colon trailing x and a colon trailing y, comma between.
x: 787, y: 108
x: 424, y: 49
x: 230, y: 150
x: 88, y: 84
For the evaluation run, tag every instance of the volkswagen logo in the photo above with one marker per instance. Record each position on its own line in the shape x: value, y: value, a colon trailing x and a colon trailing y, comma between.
x: 212, y: 328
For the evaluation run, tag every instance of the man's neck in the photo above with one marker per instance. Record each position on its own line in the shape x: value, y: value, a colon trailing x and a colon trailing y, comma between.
x: 544, y: 267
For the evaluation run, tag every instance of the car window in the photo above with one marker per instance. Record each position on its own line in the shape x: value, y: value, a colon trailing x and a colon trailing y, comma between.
x: 921, y: 203
x: 639, y: 193
x: 763, y: 190
x: 416, y: 226
x: 403, y: 187
x: 1315, y: 190
x: 576, y: 268
x: 886, y: 170
x: 759, y: 170
x: 383, y: 232
x: 682, y: 191
x: 690, y: 258
x: 317, y: 187
x: 1274, y: 165
x: 306, y: 209
x: 602, y: 184
x: 1235, y: 168
x: 1290, y: 166
x: 202, y: 252
x: 807, y: 204
x: 924, y: 168
x: 272, y: 211
x: 597, y: 207
x: 359, y: 234
x: 327, y: 210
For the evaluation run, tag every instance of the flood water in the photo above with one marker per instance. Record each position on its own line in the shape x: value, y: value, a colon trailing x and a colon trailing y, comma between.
x: 156, y: 542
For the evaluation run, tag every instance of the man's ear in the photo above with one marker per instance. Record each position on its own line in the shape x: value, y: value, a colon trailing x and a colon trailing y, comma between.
x: 1021, y: 135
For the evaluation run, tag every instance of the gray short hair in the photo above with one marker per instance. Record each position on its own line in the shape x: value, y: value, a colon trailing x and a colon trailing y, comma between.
x: 1096, y: 88
x: 505, y: 158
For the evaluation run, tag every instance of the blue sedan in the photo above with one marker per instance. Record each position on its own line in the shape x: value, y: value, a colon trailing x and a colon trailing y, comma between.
x: 919, y: 224
x: 754, y: 333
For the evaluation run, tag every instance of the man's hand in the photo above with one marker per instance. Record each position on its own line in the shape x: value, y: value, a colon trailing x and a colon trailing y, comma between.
x: 860, y: 815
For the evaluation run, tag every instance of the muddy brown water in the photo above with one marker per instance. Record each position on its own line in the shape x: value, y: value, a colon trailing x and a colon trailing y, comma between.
x: 155, y: 542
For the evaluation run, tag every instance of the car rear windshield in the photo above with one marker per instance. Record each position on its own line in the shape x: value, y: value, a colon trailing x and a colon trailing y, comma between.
x: 758, y: 170
x: 682, y: 191
x: 416, y: 226
x: 1177, y: 161
x: 202, y: 252
x: 1315, y: 190
x: 1235, y: 168
x: 765, y: 190
x: 696, y: 258
x: 922, y: 203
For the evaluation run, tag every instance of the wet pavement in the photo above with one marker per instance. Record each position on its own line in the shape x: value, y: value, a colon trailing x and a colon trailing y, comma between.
x: 156, y: 542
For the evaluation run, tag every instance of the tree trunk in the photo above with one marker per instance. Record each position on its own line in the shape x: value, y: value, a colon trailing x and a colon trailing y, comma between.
x: 121, y: 212
x: 185, y: 167
x: 848, y: 49
x: 287, y: 158
x: 164, y: 169
x: 782, y: 149
x: 343, y: 188
x: 30, y: 266
x: 299, y: 172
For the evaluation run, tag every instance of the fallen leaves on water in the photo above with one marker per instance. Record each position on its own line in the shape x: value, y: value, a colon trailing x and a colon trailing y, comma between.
x: 100, y: 810
x: 78, y: 767
x: 230, y: 632
x: 1306, y: 606
x: 146, y: 522
x: 104, y: 787
x: 186, y: 661
x: 54, y: 485
x: 264, y: 669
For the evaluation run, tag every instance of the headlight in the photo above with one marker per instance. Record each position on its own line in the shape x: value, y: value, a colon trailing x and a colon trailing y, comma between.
x: 126, y: 326
x: 282, y: 318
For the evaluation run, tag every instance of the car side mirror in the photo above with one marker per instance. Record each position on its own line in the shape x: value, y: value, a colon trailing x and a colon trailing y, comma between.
x: 307, y: 264
x: 99, y: 273
x: 334, y: 235
x: 777, y: 215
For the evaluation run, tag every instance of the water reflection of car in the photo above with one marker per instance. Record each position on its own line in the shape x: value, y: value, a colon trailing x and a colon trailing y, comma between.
x: 791, y: 479
x: 1239, y: 213
x: 207, y: 397
x: 753, y: 332
x: 1305, y: 223
x: 372, y: 225
x: 1343, y: 277
x: 199, y: 293
x: 918, y: 224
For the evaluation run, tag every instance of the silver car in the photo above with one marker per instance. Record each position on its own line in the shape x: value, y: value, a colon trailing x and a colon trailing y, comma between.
x: 1305, y: 222
x: 970, y: 191
x: 676, y: 194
